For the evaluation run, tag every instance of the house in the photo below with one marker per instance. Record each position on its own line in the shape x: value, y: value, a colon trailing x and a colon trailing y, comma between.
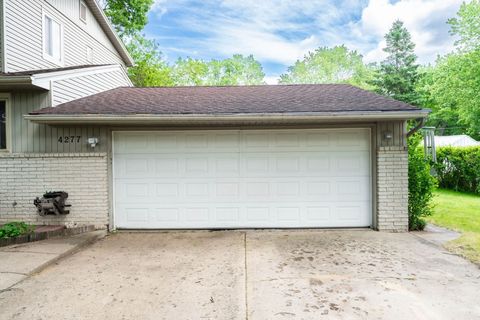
x: 287, y: 156
x: 461, y: 140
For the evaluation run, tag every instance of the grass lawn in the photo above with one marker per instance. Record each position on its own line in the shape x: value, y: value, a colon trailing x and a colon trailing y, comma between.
x: 461, y: 212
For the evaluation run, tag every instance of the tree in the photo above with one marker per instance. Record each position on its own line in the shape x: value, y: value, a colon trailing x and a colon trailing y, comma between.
x: 329, y: 65
x: 237, y: 70
x: 150, y: 69
x: 467, y: 26
x: 129, y: 17
x: 451, y: 87
x: 189, y: 72
x: 398, y: 73
x: 452, y: 91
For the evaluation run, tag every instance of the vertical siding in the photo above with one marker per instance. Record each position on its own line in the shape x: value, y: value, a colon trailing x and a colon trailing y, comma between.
x: 397, y: 129
x: 38, y: 138
x: 74, y: 88
x: 23, y: 38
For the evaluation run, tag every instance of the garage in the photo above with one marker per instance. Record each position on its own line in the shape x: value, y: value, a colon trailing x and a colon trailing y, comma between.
x: 195, y: 179
x: 283, y: 156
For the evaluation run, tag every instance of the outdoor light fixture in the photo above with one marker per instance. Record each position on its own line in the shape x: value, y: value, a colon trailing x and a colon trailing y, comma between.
x: 92, y: 142
x: 387, y: 135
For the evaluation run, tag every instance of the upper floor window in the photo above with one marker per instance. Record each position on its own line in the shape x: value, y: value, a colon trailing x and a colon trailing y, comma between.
x: 52, y: 40
x: 83, y: 12
x: 3, y: 125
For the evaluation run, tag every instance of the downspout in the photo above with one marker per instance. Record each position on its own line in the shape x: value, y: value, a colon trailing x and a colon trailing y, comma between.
x: 420, y: 123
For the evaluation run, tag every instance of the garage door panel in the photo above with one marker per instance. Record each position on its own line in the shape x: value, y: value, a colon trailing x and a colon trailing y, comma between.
x: 240, y: 179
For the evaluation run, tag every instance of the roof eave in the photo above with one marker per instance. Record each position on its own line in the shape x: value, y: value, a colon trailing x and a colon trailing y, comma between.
x: 108, y: 29
x: 19, y: 82
x: 195, y: 119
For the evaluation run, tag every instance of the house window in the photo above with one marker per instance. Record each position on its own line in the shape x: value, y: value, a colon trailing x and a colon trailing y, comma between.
x: 3, y: 124
x: 83, y: 12
x: 52, y: 40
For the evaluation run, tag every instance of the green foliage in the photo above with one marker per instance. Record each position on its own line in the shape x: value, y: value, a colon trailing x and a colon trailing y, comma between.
x: 190, y: 72
x: 330, y: 65
x: 467, y: 26
x: 459, y: 168
x: 451, y: 90
x: 421, y: 185
x: 237, y: 70
x: 129, y: 17
x: 398, y: 73
x: 15, y: 229
x: 150, y: 69
x: 451, y: 87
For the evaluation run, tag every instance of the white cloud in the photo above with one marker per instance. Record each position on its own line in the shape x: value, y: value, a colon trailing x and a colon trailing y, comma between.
x: 423, y: 18
x: 282, y: 31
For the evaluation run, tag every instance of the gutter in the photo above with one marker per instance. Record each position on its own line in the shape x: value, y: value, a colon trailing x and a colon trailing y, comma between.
x: 16, y: 80
x: 43, y: 79
x: 145, y: 119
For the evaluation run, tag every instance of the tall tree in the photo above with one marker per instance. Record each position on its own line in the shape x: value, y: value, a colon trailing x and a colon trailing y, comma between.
x: 398, y: 73
x: 129, y: 17
x: 237, y: 70
x: 467, y: 26
x: 150, y: 69
x: 189, y: 72
x: 451, y: 87
x: 329, y: 65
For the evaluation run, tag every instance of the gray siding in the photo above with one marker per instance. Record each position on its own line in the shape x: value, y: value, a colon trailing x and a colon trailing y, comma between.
x: 23, y: 37
x: 78, y: 87
x: 397, y: 128
x: 28, y: 137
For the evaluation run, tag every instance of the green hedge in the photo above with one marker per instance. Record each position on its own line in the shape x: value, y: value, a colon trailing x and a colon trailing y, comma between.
x: 420, y: 185
x: 458, y: 168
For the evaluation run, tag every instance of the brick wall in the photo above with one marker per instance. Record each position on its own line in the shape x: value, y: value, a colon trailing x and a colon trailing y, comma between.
x: 26, y: 176
x: 392, y: 189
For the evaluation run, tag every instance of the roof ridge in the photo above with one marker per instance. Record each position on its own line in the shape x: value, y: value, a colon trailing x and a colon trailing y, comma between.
x: 252, y: 85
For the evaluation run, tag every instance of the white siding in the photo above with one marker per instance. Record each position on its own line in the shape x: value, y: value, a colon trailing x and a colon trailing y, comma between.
x: 23, y: 37
x: 1, y: 35
x: 78, y: 87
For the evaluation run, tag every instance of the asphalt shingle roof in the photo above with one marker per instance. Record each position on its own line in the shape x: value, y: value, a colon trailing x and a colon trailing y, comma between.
x: 230, y: 100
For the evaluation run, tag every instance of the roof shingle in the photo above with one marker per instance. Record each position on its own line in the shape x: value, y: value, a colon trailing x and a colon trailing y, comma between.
x: 229, y: 100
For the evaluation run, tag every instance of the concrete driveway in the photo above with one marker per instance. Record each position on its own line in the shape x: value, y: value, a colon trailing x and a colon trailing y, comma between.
x: 312, y: 274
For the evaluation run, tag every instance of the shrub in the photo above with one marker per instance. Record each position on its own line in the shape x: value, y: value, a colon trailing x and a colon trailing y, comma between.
x: 421, y: 185
x: 15, y: 229
x: 458, y: 168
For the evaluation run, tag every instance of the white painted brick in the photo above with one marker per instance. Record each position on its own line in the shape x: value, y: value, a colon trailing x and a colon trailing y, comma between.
x: 83, y: 175
x: 392, y: 189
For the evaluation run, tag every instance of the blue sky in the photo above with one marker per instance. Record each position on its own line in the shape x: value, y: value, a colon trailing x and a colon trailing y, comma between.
x: 278, y: 32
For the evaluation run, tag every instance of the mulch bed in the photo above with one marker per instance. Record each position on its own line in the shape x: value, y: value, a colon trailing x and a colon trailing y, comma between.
x: 46, y: 232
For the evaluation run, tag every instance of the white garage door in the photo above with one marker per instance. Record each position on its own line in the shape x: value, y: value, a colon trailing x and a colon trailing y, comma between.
x: 242, y: 179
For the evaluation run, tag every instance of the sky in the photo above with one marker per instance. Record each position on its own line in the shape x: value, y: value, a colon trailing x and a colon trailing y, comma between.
x: 279, y: 32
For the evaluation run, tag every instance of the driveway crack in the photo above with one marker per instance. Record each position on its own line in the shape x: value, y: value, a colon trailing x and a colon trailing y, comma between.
x: 246, y: 274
